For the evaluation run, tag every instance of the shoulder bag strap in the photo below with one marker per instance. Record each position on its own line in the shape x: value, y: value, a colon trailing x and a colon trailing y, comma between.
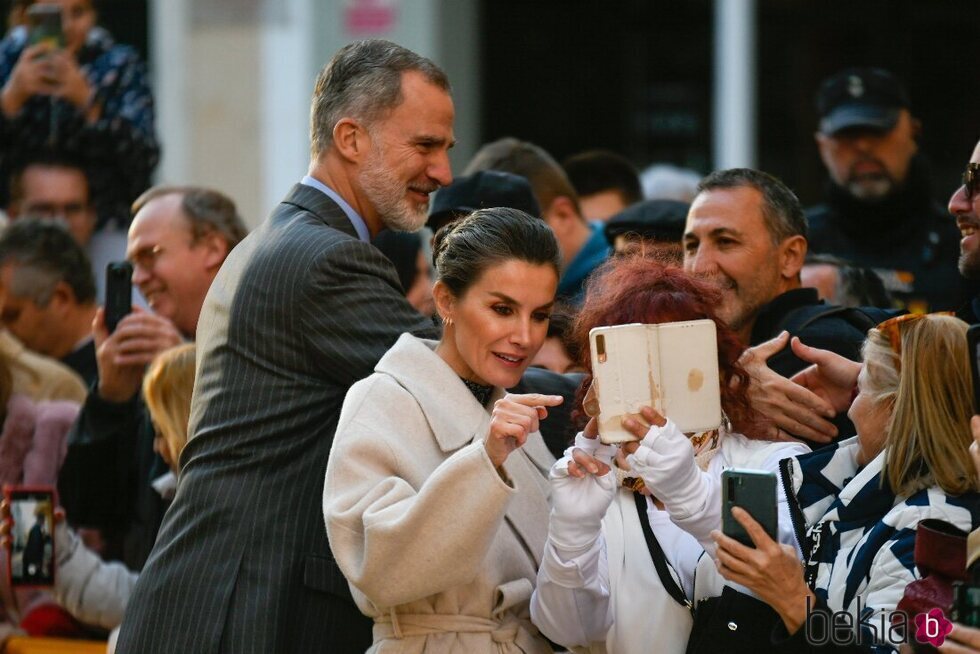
x: 657, y: 554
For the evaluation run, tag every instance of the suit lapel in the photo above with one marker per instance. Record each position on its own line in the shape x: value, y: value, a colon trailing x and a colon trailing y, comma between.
x: 320, y: 205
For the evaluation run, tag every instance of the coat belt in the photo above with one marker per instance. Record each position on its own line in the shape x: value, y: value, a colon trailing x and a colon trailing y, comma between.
x: 404, y: 625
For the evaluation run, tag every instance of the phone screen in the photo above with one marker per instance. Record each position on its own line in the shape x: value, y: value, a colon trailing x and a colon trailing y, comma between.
x: 45, y: 22
x: 32, y: 551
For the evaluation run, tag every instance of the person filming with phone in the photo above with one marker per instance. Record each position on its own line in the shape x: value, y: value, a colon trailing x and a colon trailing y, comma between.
x: 69, y: 88
x: 179, y: 239
x: 857, y: 503
x: 624, y: 564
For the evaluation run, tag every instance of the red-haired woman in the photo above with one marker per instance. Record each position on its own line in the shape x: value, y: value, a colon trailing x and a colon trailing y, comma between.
x: 604, y: 584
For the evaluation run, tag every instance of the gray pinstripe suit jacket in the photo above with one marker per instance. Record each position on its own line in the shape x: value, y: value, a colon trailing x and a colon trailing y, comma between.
x: 300, y: 310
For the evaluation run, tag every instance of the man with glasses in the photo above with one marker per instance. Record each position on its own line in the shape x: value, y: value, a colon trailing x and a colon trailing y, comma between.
x: 57, y: 187
x: 964, y: 205
x: 179, y: 237
x: 879, y: 211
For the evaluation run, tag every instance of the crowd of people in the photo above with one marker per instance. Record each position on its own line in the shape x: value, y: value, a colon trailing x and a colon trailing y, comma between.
x: 341, y: 433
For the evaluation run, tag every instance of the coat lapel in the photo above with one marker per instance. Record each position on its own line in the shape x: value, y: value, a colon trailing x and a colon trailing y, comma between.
x: 457, y: 419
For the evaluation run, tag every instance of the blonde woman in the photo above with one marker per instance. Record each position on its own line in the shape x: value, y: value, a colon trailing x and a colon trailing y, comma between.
x: 167, y: 389
x: 856, y: 504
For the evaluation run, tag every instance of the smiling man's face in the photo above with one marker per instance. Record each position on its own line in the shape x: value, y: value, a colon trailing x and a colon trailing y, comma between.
x: 965, y: 208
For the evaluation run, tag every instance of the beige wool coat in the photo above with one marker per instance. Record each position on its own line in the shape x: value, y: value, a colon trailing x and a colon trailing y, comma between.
x: 438, y: 549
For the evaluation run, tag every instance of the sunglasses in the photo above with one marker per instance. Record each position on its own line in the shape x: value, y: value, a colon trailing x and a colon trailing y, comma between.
x: 892, y: 328
x: 971, y: 179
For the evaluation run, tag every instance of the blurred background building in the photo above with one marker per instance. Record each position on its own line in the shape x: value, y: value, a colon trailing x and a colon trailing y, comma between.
x: 696, y: 83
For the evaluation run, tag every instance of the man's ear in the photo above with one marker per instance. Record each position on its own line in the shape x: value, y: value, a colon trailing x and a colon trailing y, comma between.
x: 561, y: 215
x: 62, y: 296
x: 350, y: 139
x: 444, y: 299
x: 792, y: 254
x: 216, y: 249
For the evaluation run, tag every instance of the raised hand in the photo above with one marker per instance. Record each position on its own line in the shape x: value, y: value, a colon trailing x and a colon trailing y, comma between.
x: 772, y: 571
x: 794, y: 409
x: 123, y: 355
x: 514, y: 417
x: 71, y: 83
x: 581, y: 491
x: 32, y: 75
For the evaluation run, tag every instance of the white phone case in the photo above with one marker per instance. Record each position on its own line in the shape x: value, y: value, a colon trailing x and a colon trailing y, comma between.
x: 672, y: 367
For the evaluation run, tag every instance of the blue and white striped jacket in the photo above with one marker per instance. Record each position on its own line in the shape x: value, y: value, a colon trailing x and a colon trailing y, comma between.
x: 857, y: 536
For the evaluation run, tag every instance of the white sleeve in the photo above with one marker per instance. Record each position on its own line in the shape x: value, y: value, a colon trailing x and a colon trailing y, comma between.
x: 665, y: 461
x: 570, y: 604
x: 93, y: 591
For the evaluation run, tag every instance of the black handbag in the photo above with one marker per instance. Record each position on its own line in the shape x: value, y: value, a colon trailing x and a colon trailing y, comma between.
x: 732, y: 622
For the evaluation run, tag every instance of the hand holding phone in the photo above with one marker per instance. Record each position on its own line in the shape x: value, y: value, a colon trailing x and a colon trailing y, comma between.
x: 755, y: 492
x: 31, y: 559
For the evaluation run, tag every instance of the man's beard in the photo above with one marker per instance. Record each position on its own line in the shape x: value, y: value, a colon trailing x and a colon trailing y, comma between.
x: 969, y: 264
x: 387, y: 194
x: 871, y: 187
x: 738, y: 307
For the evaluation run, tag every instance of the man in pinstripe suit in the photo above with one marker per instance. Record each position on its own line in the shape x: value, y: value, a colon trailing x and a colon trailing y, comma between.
x: 301, y: 309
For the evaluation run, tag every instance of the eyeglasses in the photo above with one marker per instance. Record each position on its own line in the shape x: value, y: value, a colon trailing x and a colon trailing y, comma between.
x: 146, y: 258
x: 892, y: 328
x: 971, y: 179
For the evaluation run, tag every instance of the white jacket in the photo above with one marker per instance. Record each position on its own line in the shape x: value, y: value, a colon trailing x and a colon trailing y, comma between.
x: 609, y: 597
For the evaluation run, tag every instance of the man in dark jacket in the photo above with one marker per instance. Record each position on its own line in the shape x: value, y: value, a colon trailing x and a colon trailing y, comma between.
x: 179, y: 239
x: 746, y: 232
x: 879, y: 211
x: 301, y: 309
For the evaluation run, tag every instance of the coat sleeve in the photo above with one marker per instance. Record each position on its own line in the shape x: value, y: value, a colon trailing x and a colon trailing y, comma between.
x: 93, y: 591
x: 392, y: 540
x: 367, y: 312
x: 95, y: 482
x: 570, y: 604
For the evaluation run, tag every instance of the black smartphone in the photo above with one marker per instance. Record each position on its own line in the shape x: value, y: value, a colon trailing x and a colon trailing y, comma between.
x: 45, y: 22
x: 754, y: 491
x: 973, y: 341
x: 31, y: 560
x: 118, y: 293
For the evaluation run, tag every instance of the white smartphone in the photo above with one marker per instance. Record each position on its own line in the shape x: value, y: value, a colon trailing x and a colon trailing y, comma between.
x: 672, y: 367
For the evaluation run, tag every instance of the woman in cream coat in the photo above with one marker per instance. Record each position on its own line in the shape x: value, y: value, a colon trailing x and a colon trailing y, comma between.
x: 436, y: 496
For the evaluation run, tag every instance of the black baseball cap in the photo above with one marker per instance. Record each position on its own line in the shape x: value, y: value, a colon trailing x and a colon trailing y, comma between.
x: 481, y: 190
x: 661, y: 220
x: 861, y: 97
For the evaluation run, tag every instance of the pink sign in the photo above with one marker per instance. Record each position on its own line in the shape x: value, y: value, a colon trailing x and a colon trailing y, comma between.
x: 370, y: 17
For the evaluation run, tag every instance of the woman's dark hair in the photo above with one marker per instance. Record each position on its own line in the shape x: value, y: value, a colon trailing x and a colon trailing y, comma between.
x: 637, y: 289
x: 464, y: 249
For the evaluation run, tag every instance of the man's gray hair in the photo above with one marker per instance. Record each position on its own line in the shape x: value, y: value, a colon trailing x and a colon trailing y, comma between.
x: 781, y: 209
x: 206, y: 210
x: 363, y: 81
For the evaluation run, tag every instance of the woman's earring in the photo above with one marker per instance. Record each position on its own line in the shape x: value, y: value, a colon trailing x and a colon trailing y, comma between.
x: 447, y: 321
